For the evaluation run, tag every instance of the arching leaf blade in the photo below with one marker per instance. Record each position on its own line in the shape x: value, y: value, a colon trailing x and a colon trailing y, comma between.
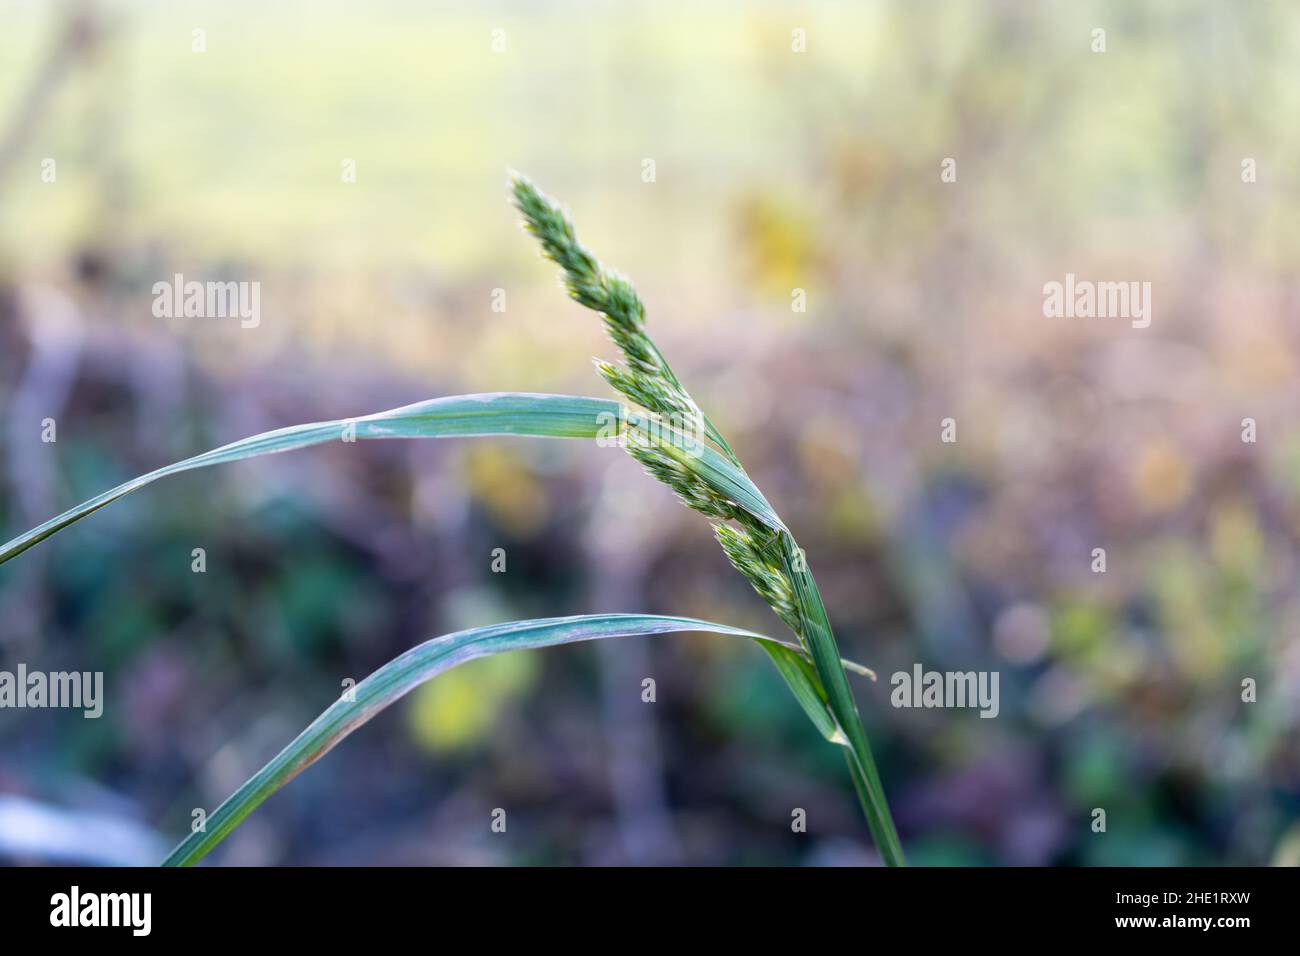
x: 399, y: 676
x: 497, y: 413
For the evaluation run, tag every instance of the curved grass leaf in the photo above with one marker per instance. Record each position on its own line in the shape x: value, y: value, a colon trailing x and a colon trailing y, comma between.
x: 727, y: 478
x: 500, y: 413
x: 426, y: 661
x: 495, y: 413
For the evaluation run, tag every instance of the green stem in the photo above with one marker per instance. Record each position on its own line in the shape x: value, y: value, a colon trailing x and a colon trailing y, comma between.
x: 820, y: 641
x: 871, y: 794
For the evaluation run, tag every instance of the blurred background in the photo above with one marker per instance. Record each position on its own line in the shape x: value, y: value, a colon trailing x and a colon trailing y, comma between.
x: 773, y: 171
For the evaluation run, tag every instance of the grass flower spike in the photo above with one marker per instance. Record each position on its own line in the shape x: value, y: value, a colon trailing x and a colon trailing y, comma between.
x: 760, y: 548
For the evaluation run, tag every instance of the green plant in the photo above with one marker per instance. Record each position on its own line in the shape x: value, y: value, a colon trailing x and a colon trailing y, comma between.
x: 665, y: 430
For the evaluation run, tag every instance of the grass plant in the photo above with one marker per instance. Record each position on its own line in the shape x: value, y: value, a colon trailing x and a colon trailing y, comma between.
x: 663, y: 428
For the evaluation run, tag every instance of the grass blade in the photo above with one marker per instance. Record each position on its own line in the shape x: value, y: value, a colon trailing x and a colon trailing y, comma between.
x: 498, y: 413
x: 426, y: 661
x: 727, y: 479
x: 494, y: 413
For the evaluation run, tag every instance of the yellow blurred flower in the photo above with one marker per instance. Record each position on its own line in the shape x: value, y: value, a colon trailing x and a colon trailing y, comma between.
x: 507, y: 487
x: 461, y: 707
x: 1162, y: 477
